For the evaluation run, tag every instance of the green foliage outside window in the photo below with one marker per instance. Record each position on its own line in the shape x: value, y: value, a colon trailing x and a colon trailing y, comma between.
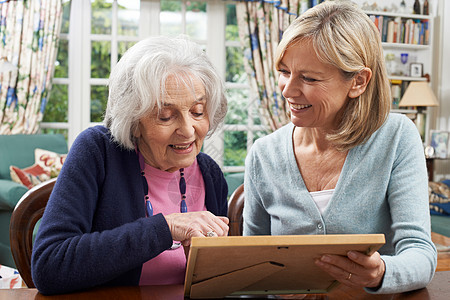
x: 57, y: 112
x: 99, y: 97
x: 170, y: 5
x: 101, y: 17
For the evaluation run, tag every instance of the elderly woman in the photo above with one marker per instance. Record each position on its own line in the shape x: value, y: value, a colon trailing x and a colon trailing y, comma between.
x: 344, y: 165
x: 132, y: 192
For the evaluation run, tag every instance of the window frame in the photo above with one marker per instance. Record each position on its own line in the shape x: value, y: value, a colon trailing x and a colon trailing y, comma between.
x: 79, y: 79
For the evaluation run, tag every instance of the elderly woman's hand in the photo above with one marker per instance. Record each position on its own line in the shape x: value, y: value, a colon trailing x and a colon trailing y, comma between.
x: 356, y: 269
x: 184, y: 226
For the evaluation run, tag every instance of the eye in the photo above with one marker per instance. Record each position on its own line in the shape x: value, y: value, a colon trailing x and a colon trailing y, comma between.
x: 283, y: 72
x: 164, y: 116
x: 308, y: 79
x: 198, y: 110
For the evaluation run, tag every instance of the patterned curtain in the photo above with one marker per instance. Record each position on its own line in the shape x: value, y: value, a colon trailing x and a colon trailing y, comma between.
x: 29, y: 36
x: 261, y: 25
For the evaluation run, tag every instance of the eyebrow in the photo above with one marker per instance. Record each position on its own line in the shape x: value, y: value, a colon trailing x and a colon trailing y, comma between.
x: 282, y: 65
x: 199, y: 100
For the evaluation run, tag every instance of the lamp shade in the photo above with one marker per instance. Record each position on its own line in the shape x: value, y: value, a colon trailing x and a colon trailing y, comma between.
x: 418, y: 93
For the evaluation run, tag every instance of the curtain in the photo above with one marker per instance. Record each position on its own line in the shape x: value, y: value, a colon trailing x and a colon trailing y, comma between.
x: 29, y: 36
x: 261, y: 25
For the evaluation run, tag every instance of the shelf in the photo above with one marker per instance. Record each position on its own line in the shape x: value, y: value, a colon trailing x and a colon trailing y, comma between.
x: 405, y: 46
x: 404, y: 111
x: 404, y: 16
x: 407, y: 78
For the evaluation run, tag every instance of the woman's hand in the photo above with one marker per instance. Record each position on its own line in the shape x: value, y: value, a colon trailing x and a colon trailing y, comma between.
x: 356, y: 269
x: 184, y: 226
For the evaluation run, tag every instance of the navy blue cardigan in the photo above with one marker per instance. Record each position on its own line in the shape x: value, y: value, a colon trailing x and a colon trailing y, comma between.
x: 94, y: 231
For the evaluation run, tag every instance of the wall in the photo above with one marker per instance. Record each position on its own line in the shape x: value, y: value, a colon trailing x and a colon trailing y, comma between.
x: 442, y: 87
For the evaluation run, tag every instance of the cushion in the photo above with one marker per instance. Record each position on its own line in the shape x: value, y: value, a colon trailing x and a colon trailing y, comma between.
x: 439, y: 198
x: 47, y: 165
x: 10, y: 193
x: 30, y: 176
x: 49, y: 161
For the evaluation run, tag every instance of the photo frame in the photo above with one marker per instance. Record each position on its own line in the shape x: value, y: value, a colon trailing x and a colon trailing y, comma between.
x: 440, y: 143
x: 416, y: 70
x: 267, y: 265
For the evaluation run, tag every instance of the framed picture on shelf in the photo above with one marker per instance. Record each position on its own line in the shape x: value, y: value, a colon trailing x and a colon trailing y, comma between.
x: 440, y: 143
x: 416, y: 69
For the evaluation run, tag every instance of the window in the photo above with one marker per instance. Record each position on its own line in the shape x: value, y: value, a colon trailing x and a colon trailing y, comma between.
x: 96, y: 33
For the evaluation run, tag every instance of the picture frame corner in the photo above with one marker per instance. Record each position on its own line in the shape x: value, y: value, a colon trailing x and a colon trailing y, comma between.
x: 416, y: 69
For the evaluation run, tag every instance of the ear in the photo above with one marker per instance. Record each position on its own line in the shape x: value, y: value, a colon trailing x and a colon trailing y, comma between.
x: 359, y: 83
x: 137, y: 131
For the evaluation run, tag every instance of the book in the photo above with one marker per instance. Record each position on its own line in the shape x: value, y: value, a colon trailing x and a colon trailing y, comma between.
x: 390, y: 31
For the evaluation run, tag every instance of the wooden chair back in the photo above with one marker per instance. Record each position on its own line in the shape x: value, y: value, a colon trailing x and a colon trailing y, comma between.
x: 235, y: 208
x: 26, y: 214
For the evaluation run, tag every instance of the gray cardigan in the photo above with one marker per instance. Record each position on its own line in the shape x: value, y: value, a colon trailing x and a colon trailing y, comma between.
x: 382, y: 188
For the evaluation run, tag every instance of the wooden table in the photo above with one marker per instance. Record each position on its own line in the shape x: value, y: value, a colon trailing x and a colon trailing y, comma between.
x: 438, y: 289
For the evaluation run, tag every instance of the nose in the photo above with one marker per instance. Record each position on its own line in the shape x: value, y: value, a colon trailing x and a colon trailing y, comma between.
x: 289, y: 87
x: 186, y: 126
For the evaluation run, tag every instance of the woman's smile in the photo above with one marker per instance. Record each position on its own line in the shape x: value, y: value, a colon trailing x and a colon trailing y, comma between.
x: 298, y: 107
x: 182, y: 148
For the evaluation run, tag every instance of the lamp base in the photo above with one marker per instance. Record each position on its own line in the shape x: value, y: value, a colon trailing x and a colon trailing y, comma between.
x: 420, y: 123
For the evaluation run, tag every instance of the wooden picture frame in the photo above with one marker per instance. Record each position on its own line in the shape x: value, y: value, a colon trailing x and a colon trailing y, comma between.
x: 416, y: 70
x: 440, y: 143
x: 267, y: 265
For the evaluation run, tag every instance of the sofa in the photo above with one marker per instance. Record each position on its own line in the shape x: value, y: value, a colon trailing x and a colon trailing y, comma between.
x: 19, y: 151
x: 440, y: 206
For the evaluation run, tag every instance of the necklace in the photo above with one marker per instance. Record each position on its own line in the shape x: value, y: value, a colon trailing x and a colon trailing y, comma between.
x: 148, y: 203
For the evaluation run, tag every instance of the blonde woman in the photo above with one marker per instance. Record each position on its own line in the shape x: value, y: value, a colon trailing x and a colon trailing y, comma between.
x: 344, y: 164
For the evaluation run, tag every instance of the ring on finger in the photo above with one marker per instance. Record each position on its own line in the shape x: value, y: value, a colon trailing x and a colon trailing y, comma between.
x: 210, y: 234
x: 349, y: 276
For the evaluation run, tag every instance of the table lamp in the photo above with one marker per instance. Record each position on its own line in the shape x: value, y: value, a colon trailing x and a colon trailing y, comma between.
x: 420, y: 95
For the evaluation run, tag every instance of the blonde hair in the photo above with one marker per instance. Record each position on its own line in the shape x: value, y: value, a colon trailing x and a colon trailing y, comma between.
x: 344, y: 36
x: 137, y: 83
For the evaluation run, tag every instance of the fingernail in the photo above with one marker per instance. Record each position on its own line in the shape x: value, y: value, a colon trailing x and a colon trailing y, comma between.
x: 351, y: 254
x: 325, y: 258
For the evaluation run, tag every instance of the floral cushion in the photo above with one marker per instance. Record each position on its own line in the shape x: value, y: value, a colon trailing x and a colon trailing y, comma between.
x: 50, y: 161
x: 47, y: 165
x: 439, y: 198
x: 30, y: 176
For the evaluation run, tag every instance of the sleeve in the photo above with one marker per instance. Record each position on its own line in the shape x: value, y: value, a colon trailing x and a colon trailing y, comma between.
x: 69, y: 254
x: 256, y: 218
x: 216, y: 186
x: 414, y: 263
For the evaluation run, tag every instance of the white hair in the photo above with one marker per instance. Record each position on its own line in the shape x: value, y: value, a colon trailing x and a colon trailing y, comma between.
x: 137, y: 83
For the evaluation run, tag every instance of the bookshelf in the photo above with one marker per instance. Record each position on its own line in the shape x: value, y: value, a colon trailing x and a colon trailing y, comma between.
x: 408, y: 29
x: 410, y: 35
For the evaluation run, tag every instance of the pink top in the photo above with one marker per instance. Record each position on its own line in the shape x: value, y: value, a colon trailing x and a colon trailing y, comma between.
x: 169, y: 267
